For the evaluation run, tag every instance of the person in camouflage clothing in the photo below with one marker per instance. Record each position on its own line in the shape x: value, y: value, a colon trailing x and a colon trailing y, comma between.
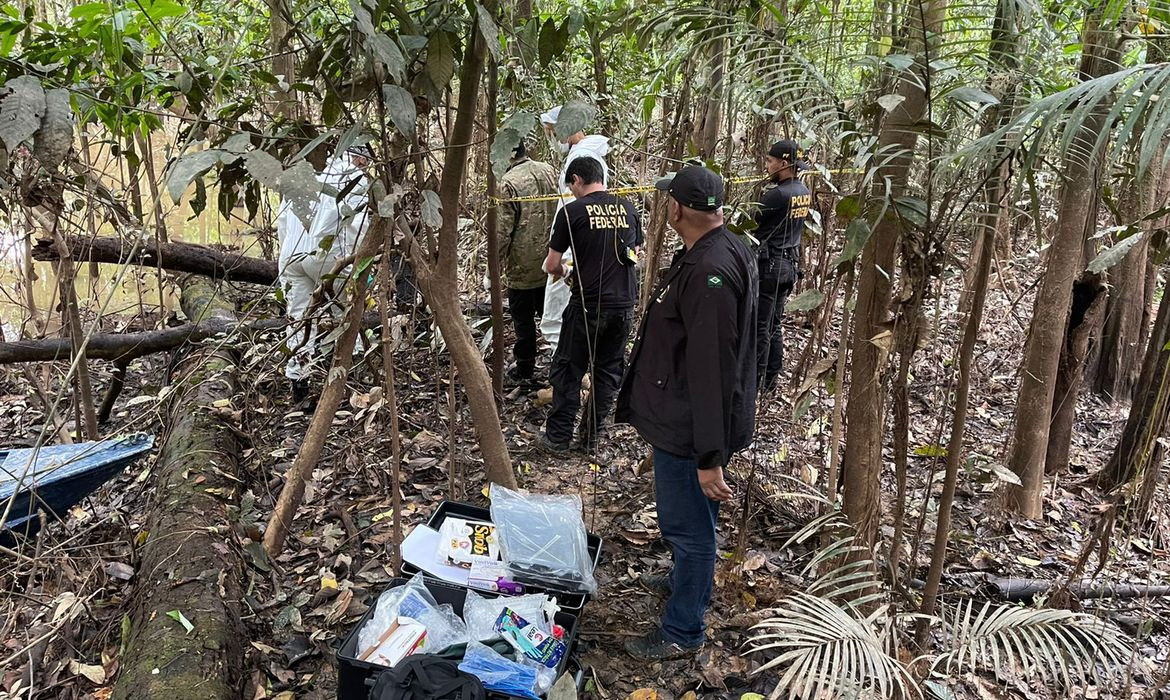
x: 523, y: 240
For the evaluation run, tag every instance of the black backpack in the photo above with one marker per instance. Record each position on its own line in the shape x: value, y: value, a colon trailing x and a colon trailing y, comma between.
x: 427, y: 677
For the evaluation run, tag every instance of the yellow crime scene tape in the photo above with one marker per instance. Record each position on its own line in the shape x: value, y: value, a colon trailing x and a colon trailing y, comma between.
x: 638, y: 189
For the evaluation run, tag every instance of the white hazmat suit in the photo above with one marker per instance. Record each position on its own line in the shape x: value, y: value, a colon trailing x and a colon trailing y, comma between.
x: 308, y: 254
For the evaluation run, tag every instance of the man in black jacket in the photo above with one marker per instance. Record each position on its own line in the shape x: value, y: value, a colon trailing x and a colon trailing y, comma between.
x: 690, y: 391
x: 783, y: 209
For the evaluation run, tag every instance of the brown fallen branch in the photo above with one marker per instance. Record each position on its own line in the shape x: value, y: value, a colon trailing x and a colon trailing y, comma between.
x: 176, y: 257
x: 1024, y: 590
x: 123, y: 347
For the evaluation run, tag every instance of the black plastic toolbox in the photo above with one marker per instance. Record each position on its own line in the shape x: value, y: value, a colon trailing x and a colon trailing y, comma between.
x: 355, y: 678
x: 572, y: 602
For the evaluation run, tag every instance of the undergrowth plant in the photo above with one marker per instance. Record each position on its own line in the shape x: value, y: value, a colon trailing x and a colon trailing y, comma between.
x: 840, y: 637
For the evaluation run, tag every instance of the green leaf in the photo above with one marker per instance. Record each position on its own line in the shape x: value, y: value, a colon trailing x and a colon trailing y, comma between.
x: 330, y: 108
x: 806, y: 300
x: 856, y: 234
x: 382, y: 46
x: 178, y: 617
x: 125, y: 636
x: 412, y: 43
x: 189, y: 167
x: 432, y: 209
x: 575, y: 116
x: 1115, y: 253
x: 297, y: 184
x: 552, y: 42
x: 802, y: 406
x: 161, y: 9
x: 849, y: 207
x: 510, y: 134
x: 440, y: 60
x: 89, y: 10
x: 400, y: 106
x: 912, y: 209
x: 21, y: 110
x: 930, y: 451
x: 970, y: 94
x: 489, y: 30
x: 890, y: 102
x: 899, y: 61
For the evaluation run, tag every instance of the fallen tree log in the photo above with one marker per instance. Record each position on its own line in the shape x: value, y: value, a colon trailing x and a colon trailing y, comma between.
x: 186, y: 638
x: 123, y: 347
x: 1016, y: 590
x: 177, y: 257
x: 1024, y: 590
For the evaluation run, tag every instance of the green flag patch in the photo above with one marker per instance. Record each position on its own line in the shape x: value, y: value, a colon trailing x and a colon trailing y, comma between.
x: 715, y: 281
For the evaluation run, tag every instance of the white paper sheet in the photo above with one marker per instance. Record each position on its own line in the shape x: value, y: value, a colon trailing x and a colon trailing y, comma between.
x: 421, y: 548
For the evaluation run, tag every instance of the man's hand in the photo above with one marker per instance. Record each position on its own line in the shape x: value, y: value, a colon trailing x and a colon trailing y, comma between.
x: 713, y: 485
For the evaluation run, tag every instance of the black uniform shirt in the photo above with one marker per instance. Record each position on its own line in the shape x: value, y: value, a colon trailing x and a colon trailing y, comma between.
x: 598, y: 227
x: 781, y: 216
x: 690, y: 389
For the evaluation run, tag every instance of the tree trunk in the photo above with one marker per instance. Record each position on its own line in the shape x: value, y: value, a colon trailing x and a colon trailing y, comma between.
x: 1076, y: 218
x: 871, y: 340
x: 599, y: 78
x: 656, y: 236
x: 283, y: 60
x: 177, y: 257
x: 493, y: 242
x: 72, y: 311
x: 312, y: 446
x: 1004, y: 56
x: 707, y: 130
x: 438, y: 273
x: 942, y: 532
x: 184, y: 566
x: 1088, y: 310
x: 390, y: 408
x: 1134, y: 453
x: 1128, y: 307
x: 1116, y: 361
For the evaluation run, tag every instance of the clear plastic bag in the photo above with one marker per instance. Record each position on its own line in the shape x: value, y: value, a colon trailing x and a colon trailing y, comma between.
x: 481, y: 613
x: 543, y: 539
x: 413, y: 600
x: 499, y: 674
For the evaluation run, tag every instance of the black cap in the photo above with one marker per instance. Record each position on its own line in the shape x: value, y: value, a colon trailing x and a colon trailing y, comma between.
x: 694, y: 187
x: 787, y: 149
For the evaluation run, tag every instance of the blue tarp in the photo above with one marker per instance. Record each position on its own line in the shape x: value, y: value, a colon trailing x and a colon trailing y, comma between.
x: 54, y: 478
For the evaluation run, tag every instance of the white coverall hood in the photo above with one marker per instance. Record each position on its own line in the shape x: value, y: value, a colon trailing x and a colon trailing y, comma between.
x: 592, y: 146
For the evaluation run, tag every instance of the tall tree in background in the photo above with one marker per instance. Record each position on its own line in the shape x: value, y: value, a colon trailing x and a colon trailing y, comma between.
x: 283, y: 59
x: 1131, y: 282
x: 866, y: 408
x: 1076, y: 220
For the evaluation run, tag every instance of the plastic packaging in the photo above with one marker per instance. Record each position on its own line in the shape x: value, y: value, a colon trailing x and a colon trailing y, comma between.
x: 481, y: 613
x: 414, y: 601
x: 543, y: 539
x: 499, y: 674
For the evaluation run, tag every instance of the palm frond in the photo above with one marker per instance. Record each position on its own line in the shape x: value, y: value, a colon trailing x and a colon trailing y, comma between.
x: 1056, y: 647
x: 827, y: 651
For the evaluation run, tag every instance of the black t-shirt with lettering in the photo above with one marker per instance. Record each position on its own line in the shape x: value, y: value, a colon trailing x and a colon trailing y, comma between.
x: 781, y: 216
x: 599, y: 227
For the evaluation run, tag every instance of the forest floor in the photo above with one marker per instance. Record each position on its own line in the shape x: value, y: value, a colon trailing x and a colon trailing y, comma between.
x: 338, y: 557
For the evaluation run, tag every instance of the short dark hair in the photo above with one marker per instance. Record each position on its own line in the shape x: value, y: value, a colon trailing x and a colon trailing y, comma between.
x: 521, y: 150
x: 586, y: 168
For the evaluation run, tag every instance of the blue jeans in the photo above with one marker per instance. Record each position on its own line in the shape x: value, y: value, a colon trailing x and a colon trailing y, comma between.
x: 687, y: 519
